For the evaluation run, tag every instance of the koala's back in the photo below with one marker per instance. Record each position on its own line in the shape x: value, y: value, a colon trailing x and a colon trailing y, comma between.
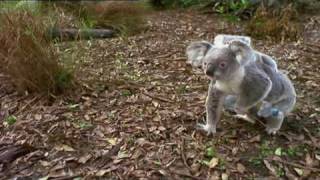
x: 281, y: 85
x: 267, y: 60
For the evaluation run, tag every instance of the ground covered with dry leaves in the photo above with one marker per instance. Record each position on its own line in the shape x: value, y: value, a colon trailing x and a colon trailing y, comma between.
x: 134, y: 112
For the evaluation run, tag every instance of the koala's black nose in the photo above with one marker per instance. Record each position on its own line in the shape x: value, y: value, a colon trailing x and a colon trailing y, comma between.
x: 210, y: 70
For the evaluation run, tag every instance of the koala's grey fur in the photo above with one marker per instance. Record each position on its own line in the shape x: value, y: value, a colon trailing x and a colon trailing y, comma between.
x: 225, y: 39
x: 245, y: 77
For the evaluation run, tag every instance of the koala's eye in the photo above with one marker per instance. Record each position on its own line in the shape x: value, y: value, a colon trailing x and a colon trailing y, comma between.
x: 222, y: 65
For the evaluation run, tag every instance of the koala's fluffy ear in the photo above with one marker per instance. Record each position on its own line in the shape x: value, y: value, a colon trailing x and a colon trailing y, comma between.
x: 196, y: 52
x: 244, y: 53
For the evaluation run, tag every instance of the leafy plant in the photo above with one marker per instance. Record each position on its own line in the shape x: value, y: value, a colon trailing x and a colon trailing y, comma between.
x: 126, y: 92
x: 232, y: 9
x: 164, y: 4
x: 84, y: 125
x: 280, y: 172
x: 210, y: 152
x: 10, y: 120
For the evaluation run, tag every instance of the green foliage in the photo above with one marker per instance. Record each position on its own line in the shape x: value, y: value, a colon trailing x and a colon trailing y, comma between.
x: 10, y: 120
x: 19, y: 5
x: 280, y: 172
x: 164, y: 4
x: 255, y: 161
x: 63, y: 79
x: 84, y: 125
x: 232, y: 10
x: 126, y: 93
x: 211, y: 152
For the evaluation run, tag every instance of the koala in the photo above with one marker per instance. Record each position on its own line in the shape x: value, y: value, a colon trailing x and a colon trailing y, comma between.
x: 222, y: 40
x: 242, y: 79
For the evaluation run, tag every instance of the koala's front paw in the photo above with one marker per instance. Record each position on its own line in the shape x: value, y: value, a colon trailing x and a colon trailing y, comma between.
x: 210, y: 129
x: 272, y: 131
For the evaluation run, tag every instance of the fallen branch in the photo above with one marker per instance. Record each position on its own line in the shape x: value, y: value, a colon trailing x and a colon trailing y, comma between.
x: 80, y: 34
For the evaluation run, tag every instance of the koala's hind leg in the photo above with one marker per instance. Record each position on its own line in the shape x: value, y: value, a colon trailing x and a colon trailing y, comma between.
x: 274, y: 122
x: 275, y: 113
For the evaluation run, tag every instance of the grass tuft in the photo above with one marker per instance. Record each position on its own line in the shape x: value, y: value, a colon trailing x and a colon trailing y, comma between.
x: 28, y: 57
x: 276, y: 26
x: 124, y: 16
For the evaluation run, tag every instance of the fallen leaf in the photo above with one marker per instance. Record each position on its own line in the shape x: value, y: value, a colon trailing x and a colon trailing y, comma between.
x: 278, y: 151
x: 38, y: 117
x: 161, y: 128
x: 85, y: 158
x: 255, y: 139
x: 122, y: 154
x: 298, y: 171
x: 240, y: 167
x: 317, y: 157
x: 309, y: 160
x: 44, y: 178
x: 102, y: 172
x: 213, y: 162
x: 224, y: 176
x: 235, y: 150
x: 112, y: 141
x: 64, y: 147
x: 45, y: 163
x: 87, y: 117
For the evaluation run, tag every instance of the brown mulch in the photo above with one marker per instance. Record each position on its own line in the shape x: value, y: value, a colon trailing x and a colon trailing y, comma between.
x: 134, y: 113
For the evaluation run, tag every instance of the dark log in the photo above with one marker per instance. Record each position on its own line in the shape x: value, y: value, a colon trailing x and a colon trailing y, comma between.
x: 80, y: 34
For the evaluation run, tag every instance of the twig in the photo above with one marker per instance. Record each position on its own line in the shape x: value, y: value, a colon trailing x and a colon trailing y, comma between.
x: 28, y: 104
x: 183, y: 155
x: 186, y: 175
x: 169, y: 163
x: 179, y: 59
x: 311, y: 137
x: 67, y: 177
x: 316, y: 45
x: 165, y: 55
x: 158, y: 98
x: 295, y: 164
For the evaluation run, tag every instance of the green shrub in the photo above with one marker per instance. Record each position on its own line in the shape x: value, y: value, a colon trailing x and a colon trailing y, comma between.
x: 163, y: 4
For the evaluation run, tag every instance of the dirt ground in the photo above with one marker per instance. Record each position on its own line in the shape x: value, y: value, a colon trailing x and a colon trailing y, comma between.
x: 134, y: 112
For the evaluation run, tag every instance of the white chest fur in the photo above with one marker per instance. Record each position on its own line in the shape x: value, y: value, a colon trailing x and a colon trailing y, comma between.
x: 231, y: 86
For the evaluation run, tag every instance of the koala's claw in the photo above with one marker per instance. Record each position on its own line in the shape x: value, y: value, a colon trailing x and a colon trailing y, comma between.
x: 272, y: 131
x: 207, y: 128
x: 245, y: 117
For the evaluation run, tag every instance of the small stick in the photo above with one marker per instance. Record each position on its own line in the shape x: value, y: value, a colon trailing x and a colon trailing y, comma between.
x: 158, y: 98
x: 295, y: 165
